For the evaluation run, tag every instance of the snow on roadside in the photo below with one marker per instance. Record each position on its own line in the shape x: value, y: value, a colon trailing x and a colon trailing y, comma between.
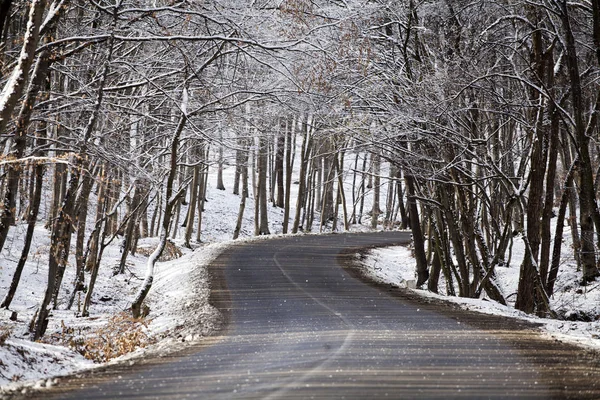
x: 396, y: 266
x: 179, y: 307
x: 179, y: 311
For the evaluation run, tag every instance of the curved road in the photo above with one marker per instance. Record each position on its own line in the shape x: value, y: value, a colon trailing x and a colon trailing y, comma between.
x: 302, y: 327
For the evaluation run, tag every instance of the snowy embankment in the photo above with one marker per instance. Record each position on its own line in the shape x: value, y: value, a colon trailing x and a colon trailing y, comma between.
x: 396, y: 266
x: 178, y: 301
x: 179, y: 311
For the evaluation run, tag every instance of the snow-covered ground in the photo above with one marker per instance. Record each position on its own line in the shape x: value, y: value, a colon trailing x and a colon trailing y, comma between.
x: 179, y: 311
x: 178, y: 300
x: 396, y: 266
x: 179, y: 307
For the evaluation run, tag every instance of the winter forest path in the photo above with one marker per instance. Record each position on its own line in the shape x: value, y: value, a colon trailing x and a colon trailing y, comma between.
x: 302, y: 327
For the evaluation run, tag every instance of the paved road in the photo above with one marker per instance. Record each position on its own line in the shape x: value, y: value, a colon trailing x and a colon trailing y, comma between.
x: 301, y: 327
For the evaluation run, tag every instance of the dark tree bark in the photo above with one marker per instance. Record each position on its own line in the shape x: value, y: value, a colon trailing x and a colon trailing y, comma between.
x: 548, y: 212
x: 244, y: 172
x: 526, y: 292
x: 263, y: 166
x: 289, y: 163
x: 418, y: 238
x: 81, y: 213
x: 31, y: 221
x: 327, y: 206
x: 302, y: 180
x: 376, y: 210
x: 60, y: 240
x: 191, y: 215
x: 587, y: 197
x: 220, y: 184
x: 128, y: 235
x: 279, y: 160
x: 170, y: 200
x: 38, y: 79
x: 4, y: 13
x: 558, y: 235
x: 202, y: 192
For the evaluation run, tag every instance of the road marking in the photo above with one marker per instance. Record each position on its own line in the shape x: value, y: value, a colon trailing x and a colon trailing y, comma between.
x: 349, y: 336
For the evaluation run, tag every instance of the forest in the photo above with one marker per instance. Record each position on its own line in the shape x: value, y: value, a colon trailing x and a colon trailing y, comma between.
x: 481, y: 118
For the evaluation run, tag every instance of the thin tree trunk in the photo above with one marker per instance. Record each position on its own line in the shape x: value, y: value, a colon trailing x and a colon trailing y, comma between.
x: 7, y: 215
x: 170, y: 200
x: 128, y: 235
x: 418, y: 239
x: 354, y: 189
x: 13, y: 88
x: 361, y: 190
x: 587, y: 198
x: 202, y: 193
x: 60, y: 240
x: 240, y: 218
x: 263, y: 228
x: 220, y: 185
x: 304, y: 158
x: 289, y: 162
x: 341, y: 193
x: 94, y: 260
x: 376, y: 160
x: 558, y: 235
x: 82, y: 212
x: 279, y: 160
x: 390, y: 199
x: 154, y: 220
x: 31, y: 220
x: 189, y: 227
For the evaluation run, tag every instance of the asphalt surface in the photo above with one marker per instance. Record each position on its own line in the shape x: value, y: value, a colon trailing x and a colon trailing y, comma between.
x: 300, y: 327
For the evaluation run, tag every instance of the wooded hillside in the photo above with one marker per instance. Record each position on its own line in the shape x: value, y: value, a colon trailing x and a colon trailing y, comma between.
x: 481, y: 119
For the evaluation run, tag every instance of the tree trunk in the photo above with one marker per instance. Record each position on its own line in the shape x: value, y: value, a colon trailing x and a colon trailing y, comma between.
x: 191, y: 215
x: 361, y: 189
x: 263, y: 228
x: 60, y: 239
x: 548, y: 212
x: 390, y: 199
x: 94, y: 266
x: 31, y: 221
x: 59, y: 187
x: 526, y: 299
x: 202, y: 193
x: 587, y: 197
x: 220, y: 185
x: 8, y: 211
x: 279, y: 159
x: 128, y: 235
x: 81, y: 213
x: 376, y: 210
x: 328, y: 178
x: 434, y: 276
x: 240, y: 218
x: 170, y: 200
x: 289, y: 163
x: 13, y: 89
x: 341, y: 193
x: 558, y: 235
x: 302, y: 180
x: 415, y: 226
x: 403, y: 214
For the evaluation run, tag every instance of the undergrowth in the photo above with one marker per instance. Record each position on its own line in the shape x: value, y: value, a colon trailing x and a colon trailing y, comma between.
x: 121, y: 335
x: 171, y: 252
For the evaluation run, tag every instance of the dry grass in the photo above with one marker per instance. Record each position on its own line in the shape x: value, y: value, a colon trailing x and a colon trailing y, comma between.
x: 171, y: 252
x: 5, y: 332
x: 123, y: 334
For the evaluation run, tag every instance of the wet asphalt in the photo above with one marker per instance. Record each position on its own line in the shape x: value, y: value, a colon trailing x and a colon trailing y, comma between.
x: 299, y: 326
